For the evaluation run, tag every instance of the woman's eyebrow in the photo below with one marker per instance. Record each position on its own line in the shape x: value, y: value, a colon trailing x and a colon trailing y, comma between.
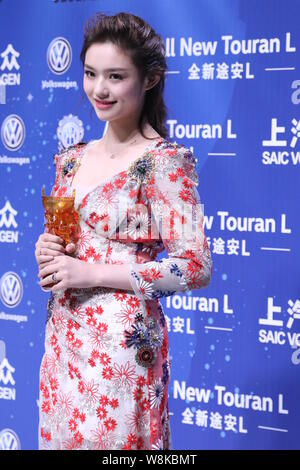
x: 105, y: 70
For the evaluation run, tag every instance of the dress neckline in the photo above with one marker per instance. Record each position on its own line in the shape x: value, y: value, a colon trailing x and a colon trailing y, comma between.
x: 110, y: 178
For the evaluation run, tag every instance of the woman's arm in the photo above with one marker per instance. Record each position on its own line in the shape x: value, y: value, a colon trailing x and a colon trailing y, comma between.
x: 189, y: 263
x: 177, y: 211
x: 111, y: 275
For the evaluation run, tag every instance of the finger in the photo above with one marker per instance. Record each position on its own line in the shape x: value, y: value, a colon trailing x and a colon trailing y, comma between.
x: 42, y: 266
x: 45, y: 263
x: 58, y: 286
x: 45, y: 289
x: 52, y: 246
x: 50, y: 237
x: 44, y: 258
x: 44, y: 251
x: 70, y: 247
x: 48, y: 252
x: 47, y: 280
x: 50, y: 268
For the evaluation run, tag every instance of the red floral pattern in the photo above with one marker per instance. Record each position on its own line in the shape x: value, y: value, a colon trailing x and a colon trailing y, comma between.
x: 102, y: 385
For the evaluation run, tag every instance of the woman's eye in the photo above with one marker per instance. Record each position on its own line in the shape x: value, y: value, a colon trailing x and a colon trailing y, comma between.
x: 111, y: 75
x: 116, y: 75
x: 87, y: 72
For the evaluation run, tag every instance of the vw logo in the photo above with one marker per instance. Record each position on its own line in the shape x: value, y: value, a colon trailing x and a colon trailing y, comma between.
x: 13, y: 132
x: 9, y: 440
x: 11, y: 289
x: 59, y: 55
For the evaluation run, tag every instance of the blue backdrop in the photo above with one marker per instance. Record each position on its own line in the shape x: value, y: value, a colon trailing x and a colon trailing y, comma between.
x: 233, y: 92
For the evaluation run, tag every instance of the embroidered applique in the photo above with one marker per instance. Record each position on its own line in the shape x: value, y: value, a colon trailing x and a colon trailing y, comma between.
x: 142, y: 169
x: 146, y: 336
x: 145, y: 356
x: 71, y: 163
x: 70, y: 166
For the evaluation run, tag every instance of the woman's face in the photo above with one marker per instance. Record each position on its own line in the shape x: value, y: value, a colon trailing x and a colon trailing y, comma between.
x: 103, y: 82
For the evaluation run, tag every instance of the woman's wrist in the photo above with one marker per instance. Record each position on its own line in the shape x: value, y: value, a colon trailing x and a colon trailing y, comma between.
x: 116, y: 276
x: 95, y: 275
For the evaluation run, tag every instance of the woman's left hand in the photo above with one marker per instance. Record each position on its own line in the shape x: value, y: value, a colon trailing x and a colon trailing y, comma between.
x: 69, y: 272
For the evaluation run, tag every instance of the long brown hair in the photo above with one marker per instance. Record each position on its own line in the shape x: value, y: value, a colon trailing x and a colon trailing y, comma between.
x: 147, y: 52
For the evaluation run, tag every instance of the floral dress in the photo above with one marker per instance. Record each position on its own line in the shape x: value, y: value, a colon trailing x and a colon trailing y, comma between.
x: 105, y: 372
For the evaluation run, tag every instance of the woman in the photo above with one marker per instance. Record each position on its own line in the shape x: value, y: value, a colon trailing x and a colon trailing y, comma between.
x: 105, y: 372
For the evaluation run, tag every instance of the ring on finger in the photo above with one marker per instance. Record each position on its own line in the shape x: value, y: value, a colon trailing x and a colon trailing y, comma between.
x: 54, y: 278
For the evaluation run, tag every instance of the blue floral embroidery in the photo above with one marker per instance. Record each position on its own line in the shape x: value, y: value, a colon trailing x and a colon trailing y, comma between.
x: 134, y: 274
x: 50, y: 304
x: 161, y: 293
x: 165, y: 369
x: 175, y: 270
x: 162, y: 319
x: 145, y: 336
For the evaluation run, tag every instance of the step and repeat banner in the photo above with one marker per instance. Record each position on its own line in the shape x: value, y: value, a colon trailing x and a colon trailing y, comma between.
x: 233, y: 93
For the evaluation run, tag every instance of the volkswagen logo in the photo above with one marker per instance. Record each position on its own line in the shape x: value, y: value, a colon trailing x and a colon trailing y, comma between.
x: 9, y: 440
x: 11, y: 289
x: 13, y: 132
x: 59, y: 55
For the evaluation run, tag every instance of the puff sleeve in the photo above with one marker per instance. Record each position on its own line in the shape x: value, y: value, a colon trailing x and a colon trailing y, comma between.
x: 178, y: 214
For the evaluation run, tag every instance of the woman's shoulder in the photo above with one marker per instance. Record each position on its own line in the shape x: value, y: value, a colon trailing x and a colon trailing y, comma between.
x: 176, y: 151
x: 71, y: 147
x: 175, y: 162
x: 65, y: 152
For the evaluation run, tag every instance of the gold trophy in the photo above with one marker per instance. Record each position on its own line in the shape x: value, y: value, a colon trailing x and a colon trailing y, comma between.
x: 61, y: 218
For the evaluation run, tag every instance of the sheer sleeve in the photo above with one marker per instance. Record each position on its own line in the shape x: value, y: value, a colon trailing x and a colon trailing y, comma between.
x: 177, y: 211
x: 58, y: 160
x: 64, y: 161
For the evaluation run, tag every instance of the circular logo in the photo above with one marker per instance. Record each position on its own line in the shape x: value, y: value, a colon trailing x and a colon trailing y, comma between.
x: 70, y: 130
x: 59, y: 55
x: 11, y: 289
x: 9, y: 440
x: 13, y: 132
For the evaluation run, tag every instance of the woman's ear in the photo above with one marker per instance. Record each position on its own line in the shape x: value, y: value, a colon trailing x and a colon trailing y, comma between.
x: 151, y: 81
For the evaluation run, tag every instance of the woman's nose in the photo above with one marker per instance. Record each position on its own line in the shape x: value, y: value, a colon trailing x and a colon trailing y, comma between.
x: 101, y: 89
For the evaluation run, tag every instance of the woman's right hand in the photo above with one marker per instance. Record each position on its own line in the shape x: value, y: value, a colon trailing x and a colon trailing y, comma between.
x: 48, y: 246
